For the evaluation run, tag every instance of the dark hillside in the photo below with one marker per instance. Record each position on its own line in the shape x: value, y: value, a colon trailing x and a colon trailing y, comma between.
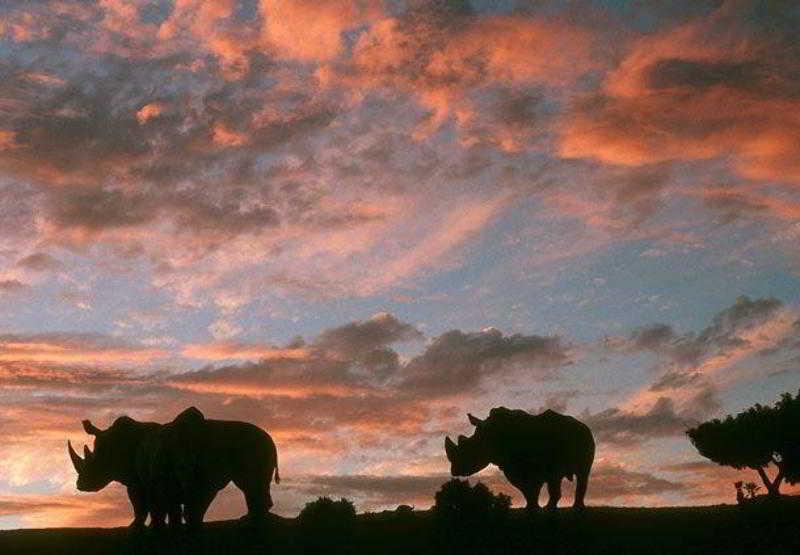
x: 758, y: 528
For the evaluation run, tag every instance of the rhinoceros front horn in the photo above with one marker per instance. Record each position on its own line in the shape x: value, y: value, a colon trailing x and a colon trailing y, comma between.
x: 77, y: 462
x: 449, y: 448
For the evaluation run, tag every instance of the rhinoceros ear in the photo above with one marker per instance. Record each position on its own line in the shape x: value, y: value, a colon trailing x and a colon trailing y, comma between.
x: 90, y: 428
x: 449, y: 448
x: 77, y: 462
x: 475, y: 421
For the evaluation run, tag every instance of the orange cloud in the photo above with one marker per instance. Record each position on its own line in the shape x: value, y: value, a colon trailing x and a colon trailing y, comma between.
x: 227, y: 350
x: 73, y: 348
x: 306, y: 30
x: 224, y: 136
x: 710, y: 88
x: 7, y: 141
x: 440, y: 63
x: 149, y: 111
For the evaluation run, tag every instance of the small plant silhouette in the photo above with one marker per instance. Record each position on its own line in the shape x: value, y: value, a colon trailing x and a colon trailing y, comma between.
x: 469, y: 518
x: 751, y: 488
x: 327, y: 525
x: 739, y: 492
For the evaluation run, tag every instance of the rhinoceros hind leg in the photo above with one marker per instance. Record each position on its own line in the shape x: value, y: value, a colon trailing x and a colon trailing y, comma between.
x: 257, y: 497
x: 580, y: 489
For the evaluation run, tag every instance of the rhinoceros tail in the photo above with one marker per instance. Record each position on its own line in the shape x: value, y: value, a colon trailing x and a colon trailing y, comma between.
x: 277, y: 474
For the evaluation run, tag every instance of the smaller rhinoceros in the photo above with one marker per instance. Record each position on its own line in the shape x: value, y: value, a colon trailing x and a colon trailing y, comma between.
x: 205, y: 455
x: 125, y: 453
x: 531, y: 450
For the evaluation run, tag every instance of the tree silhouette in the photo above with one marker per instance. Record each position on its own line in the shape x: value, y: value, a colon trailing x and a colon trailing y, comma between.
x: 788, y: 422
x: 756, y: 438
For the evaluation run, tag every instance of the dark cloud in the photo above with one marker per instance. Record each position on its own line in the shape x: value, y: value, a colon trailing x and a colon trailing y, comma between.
x: 456, y: 361
x: 676, y: 72
x: 361, y: 338
x: 610, y: 482
x: 689, y: 349
x: 690, y: 466
x: 357, y: 357
x: 676, y: 380
x: 732, y: 205
x: 557, y: 401
x: 39, y: 262
x: 12, y: 286
x: 627, y: 428
x: 653, y: 337
x: 663, y: 419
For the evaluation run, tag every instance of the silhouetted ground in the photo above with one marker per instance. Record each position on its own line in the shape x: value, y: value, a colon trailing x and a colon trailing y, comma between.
x: 759, y: 528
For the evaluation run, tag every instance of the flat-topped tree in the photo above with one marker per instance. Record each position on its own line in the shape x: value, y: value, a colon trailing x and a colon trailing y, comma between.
x: 756, y: 438
x: 788, y: 416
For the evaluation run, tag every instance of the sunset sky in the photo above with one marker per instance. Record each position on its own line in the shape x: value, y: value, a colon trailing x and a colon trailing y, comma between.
x: 350, y: 222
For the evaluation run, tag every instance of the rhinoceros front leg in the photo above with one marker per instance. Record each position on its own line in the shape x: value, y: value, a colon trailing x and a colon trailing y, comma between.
x: 175, y: 515
x: 195, y: 509
x: 531, y: 492
x: 554, y: 492
x: 138, y: 501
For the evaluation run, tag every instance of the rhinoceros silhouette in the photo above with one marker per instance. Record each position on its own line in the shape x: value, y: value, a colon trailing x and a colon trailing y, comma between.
x: 531, y: 450
x: 176, y: 469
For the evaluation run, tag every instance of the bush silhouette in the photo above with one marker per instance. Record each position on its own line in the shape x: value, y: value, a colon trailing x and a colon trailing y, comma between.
x: 469, y: 518
x: 327, y: 526
x: 756, y: 438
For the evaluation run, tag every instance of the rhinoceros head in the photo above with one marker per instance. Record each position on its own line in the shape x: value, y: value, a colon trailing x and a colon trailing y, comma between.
x: 101, y: 465
x: 470, y: 454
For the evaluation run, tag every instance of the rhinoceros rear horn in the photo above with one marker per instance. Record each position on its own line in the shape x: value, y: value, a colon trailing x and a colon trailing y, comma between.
x: 449, y: 448
x: 90, y: 428
x: 475, y: 421
x: 77, y: 462
x: 87, y: 453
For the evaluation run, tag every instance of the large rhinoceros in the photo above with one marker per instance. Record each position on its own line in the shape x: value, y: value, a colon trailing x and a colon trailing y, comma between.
x: 185, y: 462
x: 123, y: 453
x: 530, y: 450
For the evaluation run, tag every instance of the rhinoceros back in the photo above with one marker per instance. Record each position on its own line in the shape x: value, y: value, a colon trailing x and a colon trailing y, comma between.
x: 548, y: 443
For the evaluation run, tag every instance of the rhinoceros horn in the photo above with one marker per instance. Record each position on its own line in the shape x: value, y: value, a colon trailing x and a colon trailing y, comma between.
x: 77, y: 462
x: 475, y: 421
x: 449, y: 448
x: 87, y: 453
